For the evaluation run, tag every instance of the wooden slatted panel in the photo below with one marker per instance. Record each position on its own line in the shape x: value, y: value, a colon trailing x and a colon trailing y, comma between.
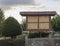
x: 43, y: 25
x: 32, y: 25
x: 43, y: 18
x: 32, y: 18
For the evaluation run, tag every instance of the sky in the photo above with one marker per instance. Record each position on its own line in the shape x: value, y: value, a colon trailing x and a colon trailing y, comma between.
x: 14, y: 7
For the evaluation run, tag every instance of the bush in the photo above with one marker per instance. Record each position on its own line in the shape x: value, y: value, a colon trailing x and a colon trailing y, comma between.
x: 38, y: 35
x: 11, y: 28
x: 44, y: 34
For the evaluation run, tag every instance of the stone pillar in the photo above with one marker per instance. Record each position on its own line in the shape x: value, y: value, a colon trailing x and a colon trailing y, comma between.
x: 51, y: 42
x: 26, y: 37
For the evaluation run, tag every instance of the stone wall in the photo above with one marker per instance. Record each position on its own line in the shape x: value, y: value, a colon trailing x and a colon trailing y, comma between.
x: 42, y: 42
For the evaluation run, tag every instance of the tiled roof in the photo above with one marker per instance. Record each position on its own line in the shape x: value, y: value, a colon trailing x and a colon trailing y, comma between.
x: 51, y: 13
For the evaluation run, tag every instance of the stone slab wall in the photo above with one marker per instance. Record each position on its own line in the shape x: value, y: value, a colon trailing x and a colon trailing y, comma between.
x: 42, y: 42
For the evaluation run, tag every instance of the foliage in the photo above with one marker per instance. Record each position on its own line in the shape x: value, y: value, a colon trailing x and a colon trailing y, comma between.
x: 11, y: 27
x: 24, y: 25
x: 56, y: 23
x: 1, y: 20
x: 22, y: 36
x: 38, y: 34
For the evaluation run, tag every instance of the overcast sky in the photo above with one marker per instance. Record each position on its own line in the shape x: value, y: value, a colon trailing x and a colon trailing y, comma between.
x: 27, y: 2
x: 16, y: 2
x: 49, y: 4
x: 13, y: 7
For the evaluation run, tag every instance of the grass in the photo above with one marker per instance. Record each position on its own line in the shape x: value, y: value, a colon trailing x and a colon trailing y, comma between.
x: 55, y: 36
x: 7, y: 41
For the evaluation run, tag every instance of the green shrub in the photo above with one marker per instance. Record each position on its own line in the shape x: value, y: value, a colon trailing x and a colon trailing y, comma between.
x: 11, y: 28
x: 38, y: 35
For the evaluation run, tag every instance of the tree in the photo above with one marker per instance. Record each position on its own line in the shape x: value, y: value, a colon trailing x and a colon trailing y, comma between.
x: 11, y: 28
x: 1, y: 21
x: 56, y: 23
x: 24, y: 24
